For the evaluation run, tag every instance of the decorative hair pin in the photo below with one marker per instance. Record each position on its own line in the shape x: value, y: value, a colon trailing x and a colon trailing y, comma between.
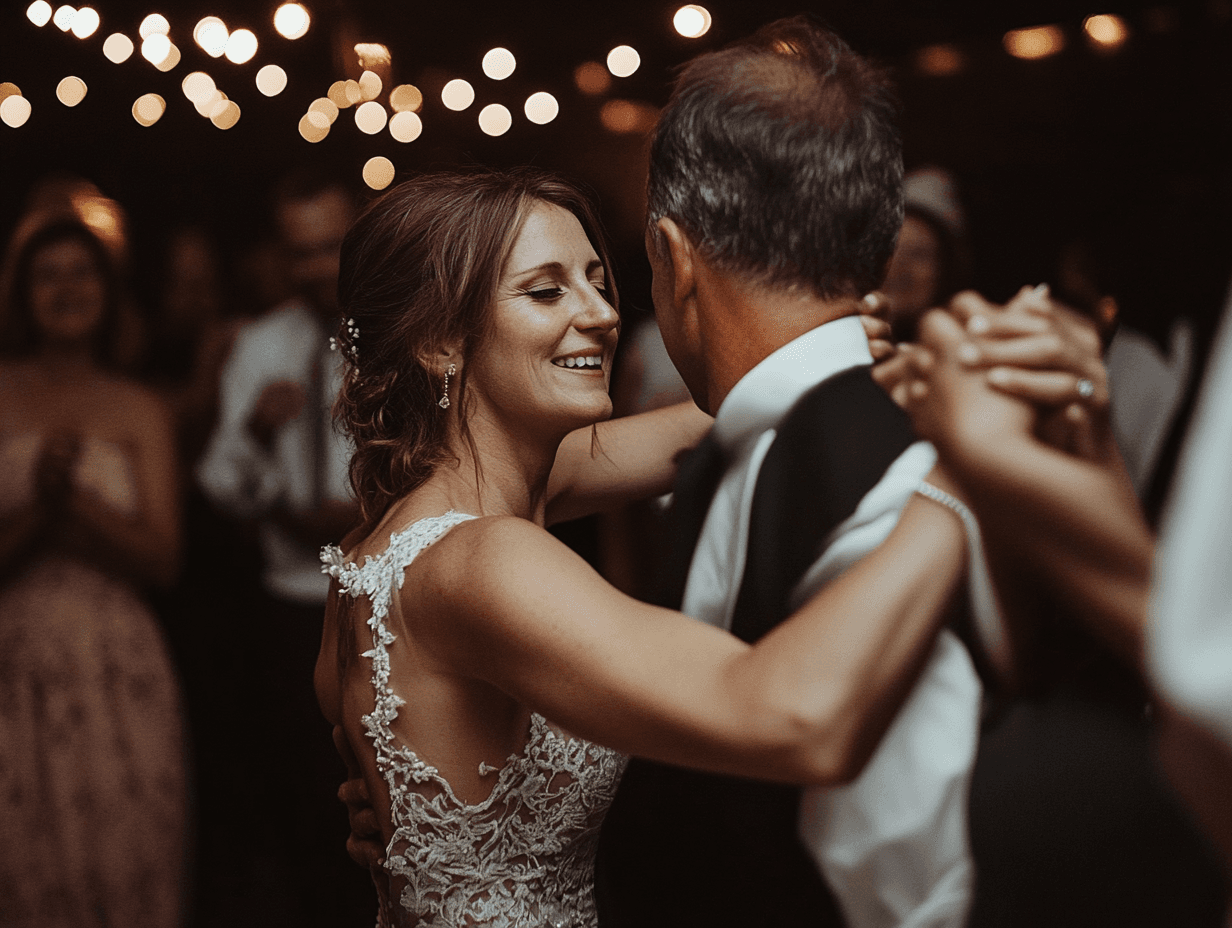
x: 351, y: 349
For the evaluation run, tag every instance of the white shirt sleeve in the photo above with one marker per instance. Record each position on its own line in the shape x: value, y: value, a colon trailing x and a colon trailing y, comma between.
x: 893, y: 845
x: 1189, y: 639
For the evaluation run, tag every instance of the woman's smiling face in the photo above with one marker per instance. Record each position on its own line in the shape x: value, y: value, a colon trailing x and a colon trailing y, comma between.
x: 547, y: 356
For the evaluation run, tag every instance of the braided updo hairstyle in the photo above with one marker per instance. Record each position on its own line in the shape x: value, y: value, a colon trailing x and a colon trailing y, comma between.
x: 419, y: 271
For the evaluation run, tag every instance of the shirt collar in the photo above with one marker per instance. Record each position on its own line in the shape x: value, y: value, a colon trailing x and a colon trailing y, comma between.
x: 763, y: 396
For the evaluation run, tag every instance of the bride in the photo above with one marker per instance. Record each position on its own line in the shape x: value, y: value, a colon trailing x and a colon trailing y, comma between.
x: 487, y: 682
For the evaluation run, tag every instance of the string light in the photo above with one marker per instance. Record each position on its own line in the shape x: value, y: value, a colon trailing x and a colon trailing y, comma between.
x: 405, y: 98
x: 71, y: 91
x: 378, y: 172
x: 541, y: 108
x: 271, y: 80
x: 149, y: 108
x: 495, y: 119
x: 405, y: 126
x: 352, y: 91
x: 241, y: 46
x: 457, y: 95
x: 171, y: 60
x: 39, y: 13
x: 8, y: 89
x: 86, y: 22
x: 63, y: 17
x: 1035, y: 43
x: 623, y: 60
x: 369, y: 85
x: 326, y: 107
x: 626, y: 116
x: 370, y: 117
x: 118, y: 48
x: 338, y: 95
x: 313, y: 126
x: 154, y: 24
x: 291, y: 21
x: 1106, y: 31
x: 225, y: 116
x: 499, y: 63
x: 156, y: 48
x: 15, y: 110
x: 211, y: 34
x: 692, y: 21
x: 940, y: 60
x: 198, y: 86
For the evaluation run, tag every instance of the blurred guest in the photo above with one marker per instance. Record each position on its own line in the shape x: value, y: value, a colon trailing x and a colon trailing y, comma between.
x: 276, y: 460
x: 92, y: 763
x: 1070, y: 822
x: 931, y: 260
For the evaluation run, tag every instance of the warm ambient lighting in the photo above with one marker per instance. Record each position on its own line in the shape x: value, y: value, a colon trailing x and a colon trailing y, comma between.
x: 1035, y: 43
x: 292, y: 21
x: 378, y: 172
x: 211, y: 34
x: 118, y: 48
x: 499, y: 63
x: 271, y: 80
x: 1106, y: 31
x: 405, y: 98
x: 86, y: 22
x: 39, y: 12
x: 198, y: 86
x: 63, y: 17
x: 14, y: 111
x: 592, y: 78
x: 627, y: 116
x: 154, y: 24
x: 692, y: 21
x: 241, y: 46
x: 370, y: 85
x: 495, y: 119
x: 149, y: 109
x: 370, y: 117
x: 171, y: 60
x: 457, y: 95
x: 541, y: 108
x: 940, y: 60
x: 225, y: 116
x: 326, y: 107
x: 156, y: 48
x: 71, y: 91
x: 623, y: 60
x: 405, y: 126
x: 313, y: 126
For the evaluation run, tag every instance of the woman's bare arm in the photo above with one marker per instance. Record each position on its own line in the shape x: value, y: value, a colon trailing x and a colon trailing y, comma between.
x: 502, y: 601
x: 626, y: 459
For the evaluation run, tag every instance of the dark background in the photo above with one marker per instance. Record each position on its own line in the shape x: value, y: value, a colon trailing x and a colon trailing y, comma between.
x: 1131, y: 145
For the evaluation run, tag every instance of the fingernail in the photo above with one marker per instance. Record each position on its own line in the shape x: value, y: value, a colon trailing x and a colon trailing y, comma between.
x: 968, y: 353
x: 999, y: 376
x: 978, y: 325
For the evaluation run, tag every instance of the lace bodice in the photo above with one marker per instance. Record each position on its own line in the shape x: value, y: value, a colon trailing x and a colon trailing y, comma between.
x: 522, y: 857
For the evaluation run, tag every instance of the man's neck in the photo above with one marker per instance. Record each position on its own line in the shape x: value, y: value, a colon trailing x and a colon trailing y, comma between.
x: 743, y: 325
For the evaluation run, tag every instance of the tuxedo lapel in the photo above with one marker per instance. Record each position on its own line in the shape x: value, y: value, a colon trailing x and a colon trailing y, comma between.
x: 696, y: 482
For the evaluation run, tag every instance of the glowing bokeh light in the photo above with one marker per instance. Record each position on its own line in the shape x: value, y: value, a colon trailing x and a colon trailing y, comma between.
x: 1106, y: 30
x: 271, y: 80
x: 326, y: 107
x: 14, y: 111
x: 352, y: 91
x: 541, y: 108
x: 9, y: 89
x: 405, y: 98
x: 370, y: 85
x: 198, y: 86
x: 209, y: 102
x: 118, y: 48
x: 692, y: 21
x: 154, y: 24
x: 226, y: 116
x: 1034, y: 43
x: 86, y: 22
x: 623, y: 60
x: 378, y: 172
x: 495, y: 119
x: 372, y: 55
x: 156, y: 48
x: 370, y: 117
x: 71, y: 91
x: 211, y: 34
x: 171, y: 60
x: 292, y: 21
x: 338, y: 96
x: 241, y: 46
x: 627, y: 116
x: 39, y: 12
x: 63, y: 17
x: 940, y: 60
x: 499, y: 63
x: 313, y: 127
x: 457, y: 95
x: 405, y: 126
x: 149, y: 108
x: 218, y: 106
x: 592, y: 78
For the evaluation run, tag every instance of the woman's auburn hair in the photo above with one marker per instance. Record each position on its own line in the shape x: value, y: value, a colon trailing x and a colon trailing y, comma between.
x: 419, y: 272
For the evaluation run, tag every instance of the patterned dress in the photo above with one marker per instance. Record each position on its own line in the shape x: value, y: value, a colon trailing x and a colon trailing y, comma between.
x: 522, y: 857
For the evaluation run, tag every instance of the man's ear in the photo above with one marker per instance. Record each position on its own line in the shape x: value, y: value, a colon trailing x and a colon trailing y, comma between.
x: 677, y: 251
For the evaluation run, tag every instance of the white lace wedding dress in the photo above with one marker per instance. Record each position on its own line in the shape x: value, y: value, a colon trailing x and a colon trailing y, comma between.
x: 522, y: 857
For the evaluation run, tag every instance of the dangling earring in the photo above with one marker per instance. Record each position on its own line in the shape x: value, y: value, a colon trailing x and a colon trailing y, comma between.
x: 444, y: 401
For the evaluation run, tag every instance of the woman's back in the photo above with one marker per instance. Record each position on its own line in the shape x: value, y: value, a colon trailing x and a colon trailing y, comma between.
x: 516, y: 845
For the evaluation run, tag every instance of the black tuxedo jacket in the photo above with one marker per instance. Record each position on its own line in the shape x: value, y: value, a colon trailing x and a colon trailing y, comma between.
x: 681, y: 848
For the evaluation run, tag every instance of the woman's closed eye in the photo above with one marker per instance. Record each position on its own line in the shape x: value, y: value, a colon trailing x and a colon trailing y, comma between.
x: 544, y: 294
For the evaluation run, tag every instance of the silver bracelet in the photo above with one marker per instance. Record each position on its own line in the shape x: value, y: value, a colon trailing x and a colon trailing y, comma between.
x: 986, y: 614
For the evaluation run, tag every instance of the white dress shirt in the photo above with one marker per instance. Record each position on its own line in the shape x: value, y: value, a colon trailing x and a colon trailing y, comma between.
x: 248, y: 480
x: 892, y: 845
x: 1189, y: 638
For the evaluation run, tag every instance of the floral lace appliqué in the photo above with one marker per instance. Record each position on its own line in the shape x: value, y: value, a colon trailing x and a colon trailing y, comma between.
x: 522, y: 857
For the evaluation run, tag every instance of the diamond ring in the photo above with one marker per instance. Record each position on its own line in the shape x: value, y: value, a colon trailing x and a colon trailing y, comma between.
x: 1085, y: 388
